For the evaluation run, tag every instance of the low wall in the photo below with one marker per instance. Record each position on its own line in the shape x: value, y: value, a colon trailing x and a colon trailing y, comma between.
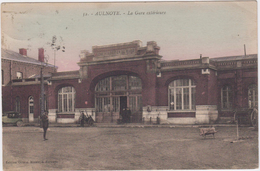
x: 52, y: 115
x: 203, y: 114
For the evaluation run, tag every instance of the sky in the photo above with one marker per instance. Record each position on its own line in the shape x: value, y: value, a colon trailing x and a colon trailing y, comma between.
x: 183, y: 30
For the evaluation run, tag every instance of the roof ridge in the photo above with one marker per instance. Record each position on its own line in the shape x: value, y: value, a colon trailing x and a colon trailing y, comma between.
x: 12, y: 55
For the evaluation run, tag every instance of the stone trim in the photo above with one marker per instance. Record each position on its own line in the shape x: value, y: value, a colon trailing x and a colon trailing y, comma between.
x: 204, y: 114
x: 116, y: 60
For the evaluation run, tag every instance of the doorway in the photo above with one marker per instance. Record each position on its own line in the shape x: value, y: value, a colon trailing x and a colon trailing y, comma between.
x: 113, y: 94
x: 123, y: 103
x: 124, y: 111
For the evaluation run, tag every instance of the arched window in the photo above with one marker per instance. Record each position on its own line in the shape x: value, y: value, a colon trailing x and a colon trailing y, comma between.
x: 182, y: 94
x: 66, y: 99
x: 31, y: 105
x: 17, y: 104
x: 226, y: 97
x: 252, y: 96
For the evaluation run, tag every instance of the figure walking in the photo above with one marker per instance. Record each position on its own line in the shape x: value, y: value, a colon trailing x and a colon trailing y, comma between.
x: 45, y: 125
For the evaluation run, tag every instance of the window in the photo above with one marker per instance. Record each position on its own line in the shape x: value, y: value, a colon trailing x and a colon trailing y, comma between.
x: 135, y: 83
x: 182, y: 94
x: 103, y: 104
x: 17, y: 104
x: 19, y: 75
x: 31, y: 105
x: 119, y: 82
x: 252, y: 96
x: 66, y: 99
x: 103, y: 85
x: 135, y: 103
x: 226, y: 97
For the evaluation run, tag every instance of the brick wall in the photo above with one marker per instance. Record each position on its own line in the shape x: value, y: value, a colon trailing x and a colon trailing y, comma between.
x: 10, y: 69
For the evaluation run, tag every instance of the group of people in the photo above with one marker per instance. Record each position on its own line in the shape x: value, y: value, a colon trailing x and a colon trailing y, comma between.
x: 126, y: 115
x: 83, y: 118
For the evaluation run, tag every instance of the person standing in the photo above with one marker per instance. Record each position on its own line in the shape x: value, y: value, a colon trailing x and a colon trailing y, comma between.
x: 45, y: 125
x: 82, y: 119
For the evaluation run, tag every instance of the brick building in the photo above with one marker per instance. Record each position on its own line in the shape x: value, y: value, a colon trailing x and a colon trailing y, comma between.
x: 116, y: 76
x: 18, y: 69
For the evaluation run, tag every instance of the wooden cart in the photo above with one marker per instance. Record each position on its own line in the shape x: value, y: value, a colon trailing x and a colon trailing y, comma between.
x: 246, y: 116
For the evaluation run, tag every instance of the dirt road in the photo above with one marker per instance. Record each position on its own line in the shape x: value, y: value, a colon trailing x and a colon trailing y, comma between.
x: 128, y: 149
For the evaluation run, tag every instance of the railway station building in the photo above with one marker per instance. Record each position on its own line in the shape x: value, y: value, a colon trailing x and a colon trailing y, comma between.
x: 113, y: 77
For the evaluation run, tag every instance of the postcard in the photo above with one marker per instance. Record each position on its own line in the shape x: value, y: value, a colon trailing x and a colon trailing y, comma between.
x: 129, y: 85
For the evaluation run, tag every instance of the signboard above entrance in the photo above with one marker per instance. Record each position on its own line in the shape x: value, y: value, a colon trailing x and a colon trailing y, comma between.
x: 120, y: 49
x: 120, y: 52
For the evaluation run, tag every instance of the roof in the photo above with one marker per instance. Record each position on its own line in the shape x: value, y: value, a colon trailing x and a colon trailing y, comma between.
x: 14, y: 56
x: 234, y: 58
x: 39, y: 76
x: 65, y: 75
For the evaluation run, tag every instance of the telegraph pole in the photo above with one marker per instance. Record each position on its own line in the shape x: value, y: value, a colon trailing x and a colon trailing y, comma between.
x: 42, y: 94
x: 54, y: 59
x: 245, y: 49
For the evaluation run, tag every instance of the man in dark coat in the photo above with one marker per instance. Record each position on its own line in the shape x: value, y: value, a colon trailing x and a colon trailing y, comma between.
x: 45, y: 125
x: 126, y: 114
x: 82, y: 119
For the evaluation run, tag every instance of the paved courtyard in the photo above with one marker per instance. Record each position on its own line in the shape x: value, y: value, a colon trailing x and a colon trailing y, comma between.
x: 95, y: 148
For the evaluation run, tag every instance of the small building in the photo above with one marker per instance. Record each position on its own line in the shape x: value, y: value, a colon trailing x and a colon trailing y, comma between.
x: 19, y: 69
x: 113, y: 77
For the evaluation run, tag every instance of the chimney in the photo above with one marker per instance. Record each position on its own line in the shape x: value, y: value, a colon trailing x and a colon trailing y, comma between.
x: 23, y: 51
x: 41, y: 55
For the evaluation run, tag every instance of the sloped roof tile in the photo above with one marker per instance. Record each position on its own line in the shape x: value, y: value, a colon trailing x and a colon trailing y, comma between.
x: 14, y: 56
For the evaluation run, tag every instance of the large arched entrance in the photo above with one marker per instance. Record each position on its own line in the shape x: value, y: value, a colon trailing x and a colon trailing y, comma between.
x: 114, y: 94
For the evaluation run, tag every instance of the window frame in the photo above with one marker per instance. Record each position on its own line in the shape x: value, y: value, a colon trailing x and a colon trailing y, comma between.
x: 31, y: 104
x: 65, y: 98
x: 229, y: 100
x: 17, y: 104
x: 254, y: 88
x: 174, y: 87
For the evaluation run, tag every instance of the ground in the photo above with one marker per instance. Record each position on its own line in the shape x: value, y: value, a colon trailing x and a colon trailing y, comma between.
x: 95, y: 148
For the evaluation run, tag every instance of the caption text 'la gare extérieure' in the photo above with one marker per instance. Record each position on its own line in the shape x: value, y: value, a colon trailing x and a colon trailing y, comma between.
x: 115, y: 13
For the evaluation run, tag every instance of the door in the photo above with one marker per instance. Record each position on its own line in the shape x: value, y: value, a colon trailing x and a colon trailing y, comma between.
x: 123, y: 103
